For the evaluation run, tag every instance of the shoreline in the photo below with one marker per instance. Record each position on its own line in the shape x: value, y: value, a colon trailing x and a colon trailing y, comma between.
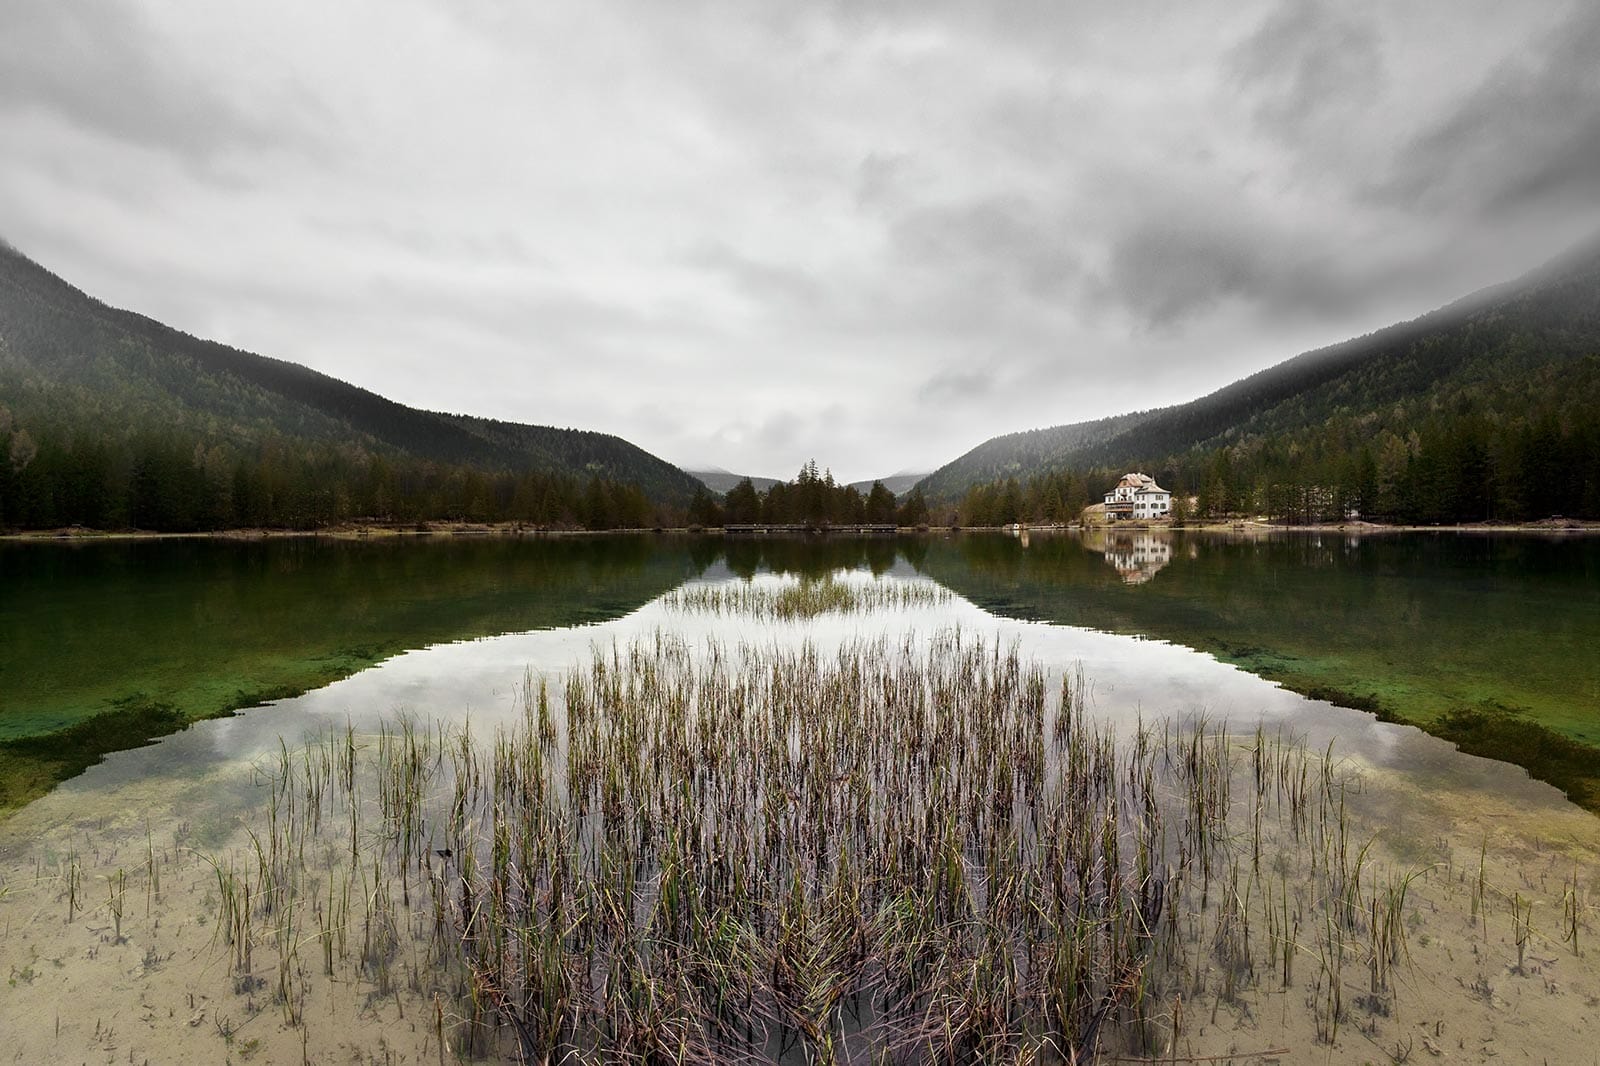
x: 379, y: 531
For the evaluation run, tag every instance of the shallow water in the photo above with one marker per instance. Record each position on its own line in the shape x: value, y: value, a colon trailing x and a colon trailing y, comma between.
x: 198, y: 794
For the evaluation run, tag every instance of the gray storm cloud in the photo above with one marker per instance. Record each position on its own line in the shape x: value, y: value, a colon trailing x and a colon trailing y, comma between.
x: 749, y: 234
x: 1527, y: 137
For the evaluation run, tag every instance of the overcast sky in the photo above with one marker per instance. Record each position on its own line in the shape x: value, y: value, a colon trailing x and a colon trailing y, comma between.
x: 745, y: 234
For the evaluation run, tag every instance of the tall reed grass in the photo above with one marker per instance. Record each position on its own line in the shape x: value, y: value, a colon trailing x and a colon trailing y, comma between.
x: 913, y: 851
x: 806, y: 598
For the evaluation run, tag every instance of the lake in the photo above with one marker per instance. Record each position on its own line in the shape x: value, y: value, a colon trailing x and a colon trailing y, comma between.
x: 1485, y: 639
x: 367, y: 650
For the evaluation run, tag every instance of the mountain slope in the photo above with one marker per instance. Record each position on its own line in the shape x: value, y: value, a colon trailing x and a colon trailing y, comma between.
x: 1023, y: 454
x: 1506, y: 357
x: 721, y: 481
x: 896, y: 483
x: 66, y: 357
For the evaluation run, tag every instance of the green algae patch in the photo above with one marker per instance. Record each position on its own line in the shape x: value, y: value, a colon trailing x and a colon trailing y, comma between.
x: 32, y: 766
x: 1490, y: 729
x: 1494, y: 733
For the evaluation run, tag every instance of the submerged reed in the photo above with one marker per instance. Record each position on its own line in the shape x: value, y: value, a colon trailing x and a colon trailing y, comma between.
x: 895, y: 851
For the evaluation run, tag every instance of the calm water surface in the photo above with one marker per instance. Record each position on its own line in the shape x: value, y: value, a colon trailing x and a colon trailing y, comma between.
x: 312, y: 632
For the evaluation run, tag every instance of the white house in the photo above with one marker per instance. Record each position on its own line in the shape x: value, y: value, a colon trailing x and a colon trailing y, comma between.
x: 1137, y: 496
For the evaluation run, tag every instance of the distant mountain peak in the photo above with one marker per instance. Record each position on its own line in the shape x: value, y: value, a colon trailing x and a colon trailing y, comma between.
x: 717, y: 479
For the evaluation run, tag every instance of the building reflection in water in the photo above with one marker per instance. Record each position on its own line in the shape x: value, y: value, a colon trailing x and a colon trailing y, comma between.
x: 1137, y: 555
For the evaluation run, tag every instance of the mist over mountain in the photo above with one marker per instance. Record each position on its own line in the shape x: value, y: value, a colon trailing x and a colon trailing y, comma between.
x: 897, y: 483
x: 719, y: 480
x: 1485, y: 408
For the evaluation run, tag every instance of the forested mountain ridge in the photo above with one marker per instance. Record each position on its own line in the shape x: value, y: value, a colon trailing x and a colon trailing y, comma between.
x: 1023, y: 454
x: 1454, y: 416
x: 80, y: 378
x: 813, y: 499
x: 721, y: 481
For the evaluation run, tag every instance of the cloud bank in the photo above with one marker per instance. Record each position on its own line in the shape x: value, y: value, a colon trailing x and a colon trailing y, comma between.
x: 748, y: 234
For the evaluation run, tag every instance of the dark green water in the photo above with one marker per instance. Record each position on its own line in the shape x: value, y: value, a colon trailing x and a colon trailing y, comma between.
x: 1492, y: 641
x: 106, y: 645
x: 1420, y: 623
